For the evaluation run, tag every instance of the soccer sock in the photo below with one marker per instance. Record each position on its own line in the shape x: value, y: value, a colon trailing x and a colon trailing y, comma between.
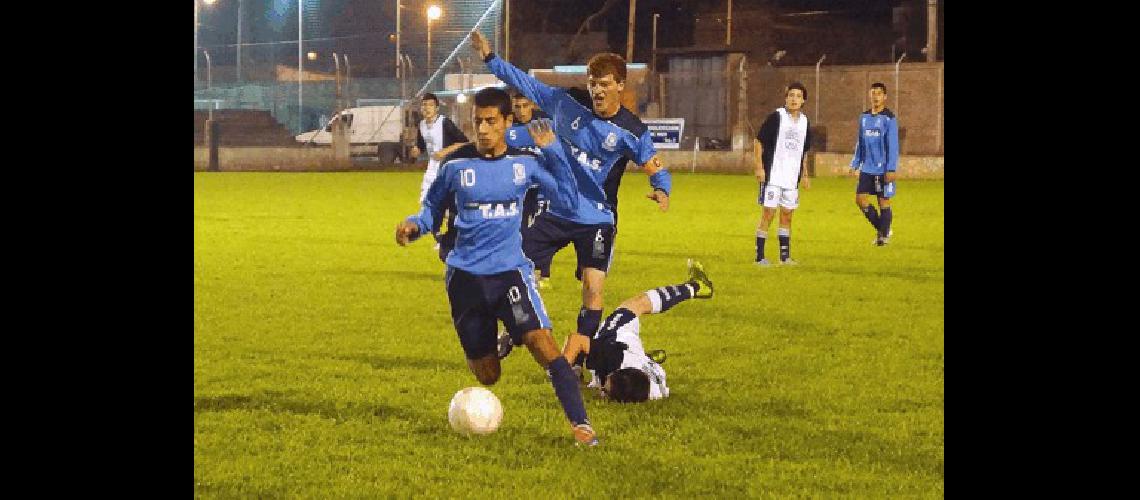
x: 664, y: 298
x: 588, y: 320
x: 885, y: 222
x: 785, y: 236
x: 566, y: 388
x: 760, y: 237
x: 872, y: 215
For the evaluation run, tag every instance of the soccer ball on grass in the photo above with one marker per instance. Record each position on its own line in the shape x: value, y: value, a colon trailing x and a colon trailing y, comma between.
x: 475, y: 410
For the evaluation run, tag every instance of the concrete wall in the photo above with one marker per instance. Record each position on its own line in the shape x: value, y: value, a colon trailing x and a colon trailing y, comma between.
x: 823, y: 164
x: 307, y: 159
x: 842, y: 96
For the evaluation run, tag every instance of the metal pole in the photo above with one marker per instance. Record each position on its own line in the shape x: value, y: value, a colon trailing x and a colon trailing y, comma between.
x: 239, y: 42
x: 399, y: 63
x: 429, y: 43
x: 336, y: 64
x: 209, y: 79
x: 896, y: 110
x: 817, y: 92
x: 300, y: 69
x: 653, y: 62
x: 196, y: 7
x: 347, y: 81
x: 931, y: 30
x: 728, y: 28
x: 629, y: 32
x: 507, y: 33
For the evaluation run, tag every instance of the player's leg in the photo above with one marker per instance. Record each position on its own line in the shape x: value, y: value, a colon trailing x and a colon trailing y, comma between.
x: 866, y: 187
x: 885, y: 219
x: 593, y: 246
x: 789, y: 201
x: 523, y: 313
x: 474, y: 324
x: 769, y: 199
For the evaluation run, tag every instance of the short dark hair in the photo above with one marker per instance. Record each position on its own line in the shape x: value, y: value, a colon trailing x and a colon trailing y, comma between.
x: 796, y: 85
x: 493, y: 97
x: 580, y: 94
x: 431, y: 97
x: 880, y: 85
x: 606, y: 63
x: 629, y: 385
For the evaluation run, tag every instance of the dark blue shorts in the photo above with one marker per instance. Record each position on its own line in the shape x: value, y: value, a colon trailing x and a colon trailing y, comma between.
x: 876, y: 185
x: 593, y: 243
x: 479, y: 302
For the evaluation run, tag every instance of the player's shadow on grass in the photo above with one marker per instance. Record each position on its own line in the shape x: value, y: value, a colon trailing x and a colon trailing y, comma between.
x: 299, y: 404
x: 380, y: 362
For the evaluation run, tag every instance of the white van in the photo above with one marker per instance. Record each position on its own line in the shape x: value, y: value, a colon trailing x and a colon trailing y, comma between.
x: 378, y: 129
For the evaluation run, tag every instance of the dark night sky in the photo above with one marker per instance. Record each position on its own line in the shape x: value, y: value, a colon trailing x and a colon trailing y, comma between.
x: 366, y: 24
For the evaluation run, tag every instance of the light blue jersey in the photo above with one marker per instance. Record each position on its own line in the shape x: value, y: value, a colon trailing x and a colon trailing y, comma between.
x: 488, y: 195
x: 877, y: 147
x: 597, y: 148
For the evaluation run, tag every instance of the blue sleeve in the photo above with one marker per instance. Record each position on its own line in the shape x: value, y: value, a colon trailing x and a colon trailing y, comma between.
x: 662, y: 180
x: 642, y: 149
x: 857, y: 160
x: 555, y: 178
x: 542, y: 94
x: 892, y: 145
x: 432, y: 209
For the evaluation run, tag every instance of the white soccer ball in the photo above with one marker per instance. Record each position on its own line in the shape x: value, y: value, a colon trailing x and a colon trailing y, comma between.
x: 475, y: 410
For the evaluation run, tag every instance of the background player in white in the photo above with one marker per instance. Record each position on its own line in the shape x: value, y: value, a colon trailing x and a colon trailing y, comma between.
x: 780, y: 145
x: 615, y: 356
x: 434, y: 134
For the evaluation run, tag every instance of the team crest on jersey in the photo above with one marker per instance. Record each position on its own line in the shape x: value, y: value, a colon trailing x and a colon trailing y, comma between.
x: 520, y: 174
x: 611, y: 142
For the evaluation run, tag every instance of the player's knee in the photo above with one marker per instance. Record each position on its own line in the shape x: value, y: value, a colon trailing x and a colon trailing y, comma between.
x: 488, y: 377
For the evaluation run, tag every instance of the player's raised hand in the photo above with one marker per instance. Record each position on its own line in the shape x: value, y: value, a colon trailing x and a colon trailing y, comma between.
x: 541, y: 131
x: 480, y: 43
x: 404, y: 231
x: 661, y: 198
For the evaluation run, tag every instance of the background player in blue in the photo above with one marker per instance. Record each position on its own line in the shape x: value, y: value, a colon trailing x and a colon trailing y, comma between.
x: 488, y: 277
x: 877, y: 156
x: 598, y: 142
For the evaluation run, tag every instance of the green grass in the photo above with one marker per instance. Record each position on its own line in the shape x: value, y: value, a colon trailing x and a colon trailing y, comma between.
x: 324, y: 355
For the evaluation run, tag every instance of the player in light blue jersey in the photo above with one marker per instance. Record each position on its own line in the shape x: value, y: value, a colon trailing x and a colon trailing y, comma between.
x: 877, y: 156
x: 488, y: 277
x: 598, y: 142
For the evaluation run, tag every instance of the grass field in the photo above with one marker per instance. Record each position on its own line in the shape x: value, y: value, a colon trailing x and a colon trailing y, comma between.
x: 324, y: 355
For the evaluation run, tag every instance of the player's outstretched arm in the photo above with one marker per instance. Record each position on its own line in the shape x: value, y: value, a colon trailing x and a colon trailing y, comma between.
x: 575, y: 344
x: 661, y: 180
x: 556, y: 180
x: 441, y: 154
x: 541, y: 93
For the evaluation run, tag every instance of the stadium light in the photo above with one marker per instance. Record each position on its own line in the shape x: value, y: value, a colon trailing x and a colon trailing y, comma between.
x: 461, y: 98
x: 209, y: 2
x: 312, y: 55
x: 197, y: 25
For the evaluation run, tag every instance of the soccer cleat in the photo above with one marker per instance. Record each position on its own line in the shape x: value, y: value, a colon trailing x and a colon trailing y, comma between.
x: 788, y: 262
x: 697, y: 273
x: 584, y: 435
x: 657, y: 355
x: 505, y: 344
x: 763, y: 263
x: 544, y: 284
